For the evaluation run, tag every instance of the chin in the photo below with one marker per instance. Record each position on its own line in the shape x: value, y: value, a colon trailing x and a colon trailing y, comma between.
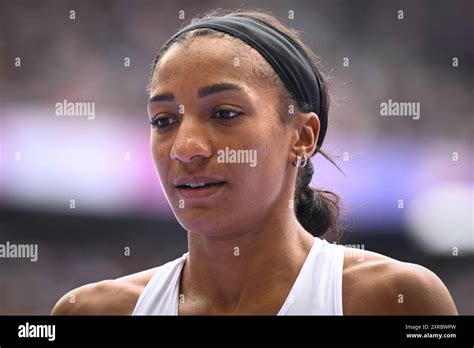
x: 204, y: 223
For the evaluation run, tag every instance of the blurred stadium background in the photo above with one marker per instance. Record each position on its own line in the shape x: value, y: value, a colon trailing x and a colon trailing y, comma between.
x: 408, y: 185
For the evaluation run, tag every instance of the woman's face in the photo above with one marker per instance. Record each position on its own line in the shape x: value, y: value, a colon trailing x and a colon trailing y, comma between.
x: 216, y: 122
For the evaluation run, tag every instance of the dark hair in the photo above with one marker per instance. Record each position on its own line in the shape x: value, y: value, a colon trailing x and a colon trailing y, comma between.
x: 317, y: 210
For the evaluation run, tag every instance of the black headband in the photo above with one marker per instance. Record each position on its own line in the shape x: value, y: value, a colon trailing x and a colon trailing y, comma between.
x: 285, y: 56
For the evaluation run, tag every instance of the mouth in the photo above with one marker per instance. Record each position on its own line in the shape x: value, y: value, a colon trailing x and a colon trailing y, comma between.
x: 199, y: 186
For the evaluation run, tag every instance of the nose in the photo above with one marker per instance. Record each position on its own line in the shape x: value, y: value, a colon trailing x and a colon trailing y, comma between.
x: 191, y: 142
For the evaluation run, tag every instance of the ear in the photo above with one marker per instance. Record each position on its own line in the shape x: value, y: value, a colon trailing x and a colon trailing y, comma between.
x: 306, y: 128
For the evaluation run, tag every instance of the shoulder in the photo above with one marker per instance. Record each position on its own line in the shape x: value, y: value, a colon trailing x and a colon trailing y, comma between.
x: 375, y: 284
x: 107, y: 297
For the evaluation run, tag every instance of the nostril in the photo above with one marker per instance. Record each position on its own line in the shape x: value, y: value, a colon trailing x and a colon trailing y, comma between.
x: 190, y: 152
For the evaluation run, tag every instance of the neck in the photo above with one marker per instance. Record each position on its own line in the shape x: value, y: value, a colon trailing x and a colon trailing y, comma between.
x: 237, y: 270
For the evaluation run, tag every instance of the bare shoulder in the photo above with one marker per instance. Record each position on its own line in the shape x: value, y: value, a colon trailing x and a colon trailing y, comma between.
x: 374, y: 284
x: 107, y: 297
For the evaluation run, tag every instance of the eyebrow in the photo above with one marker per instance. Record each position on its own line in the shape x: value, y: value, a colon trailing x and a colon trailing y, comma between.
x: 203, y: 91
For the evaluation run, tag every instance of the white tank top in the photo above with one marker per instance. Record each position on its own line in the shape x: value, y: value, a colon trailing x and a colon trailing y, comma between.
x: 317, y: 289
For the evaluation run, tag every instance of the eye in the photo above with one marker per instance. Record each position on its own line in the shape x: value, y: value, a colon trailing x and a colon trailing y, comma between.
x: 227, y: 113
x: 162, y: 122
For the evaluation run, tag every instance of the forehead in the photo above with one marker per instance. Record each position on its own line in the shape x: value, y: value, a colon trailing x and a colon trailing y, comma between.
x: 206, y: 58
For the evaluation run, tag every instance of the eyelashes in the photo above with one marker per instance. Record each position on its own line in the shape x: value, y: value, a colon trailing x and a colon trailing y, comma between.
x: 162, y: 122
x: 237, y: 113
x: 225, y: 114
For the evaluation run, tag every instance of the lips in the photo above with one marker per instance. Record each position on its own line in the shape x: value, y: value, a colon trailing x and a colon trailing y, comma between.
x: 199, y: 188
x: 197, y: 181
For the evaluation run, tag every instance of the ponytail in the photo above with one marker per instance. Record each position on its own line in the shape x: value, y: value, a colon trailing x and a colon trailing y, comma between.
x: 316, y: 210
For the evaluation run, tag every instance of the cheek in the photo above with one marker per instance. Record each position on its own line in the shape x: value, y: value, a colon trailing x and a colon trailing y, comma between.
x: 264, y: 182
x: 160, y: 153
x: 271, y: 143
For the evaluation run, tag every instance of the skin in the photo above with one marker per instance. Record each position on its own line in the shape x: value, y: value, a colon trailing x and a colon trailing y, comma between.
x: 272, y: 244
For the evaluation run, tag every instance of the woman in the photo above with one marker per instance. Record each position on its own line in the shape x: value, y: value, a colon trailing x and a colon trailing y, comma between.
x: 237, y: 107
